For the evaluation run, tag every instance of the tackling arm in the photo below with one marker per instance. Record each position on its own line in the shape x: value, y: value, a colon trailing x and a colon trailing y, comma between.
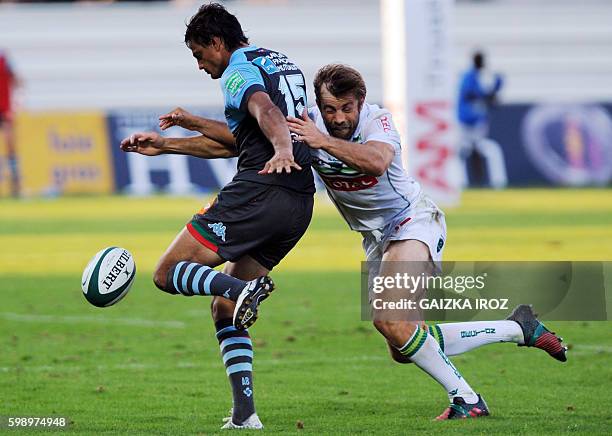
x: 372, y: 157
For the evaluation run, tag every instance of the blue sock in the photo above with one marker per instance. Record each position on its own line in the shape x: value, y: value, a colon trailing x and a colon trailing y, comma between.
x: 190, y: 278
x: 237, y: 354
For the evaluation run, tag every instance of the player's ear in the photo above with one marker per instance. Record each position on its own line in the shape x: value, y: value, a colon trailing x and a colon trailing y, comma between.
x: 361, y: 101
x: 217, y: 43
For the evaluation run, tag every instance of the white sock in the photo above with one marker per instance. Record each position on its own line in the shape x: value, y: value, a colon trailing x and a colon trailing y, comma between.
x: 425, y: 352
x: 458, y: 337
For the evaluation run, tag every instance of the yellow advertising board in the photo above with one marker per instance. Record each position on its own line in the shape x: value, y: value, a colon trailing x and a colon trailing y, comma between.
x: 63, y: 153
x: 5, y: 175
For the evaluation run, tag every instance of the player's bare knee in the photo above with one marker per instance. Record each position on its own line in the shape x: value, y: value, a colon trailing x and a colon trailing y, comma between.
x: 385, y: 328
x: 160, y: 278
x: 396, y: 332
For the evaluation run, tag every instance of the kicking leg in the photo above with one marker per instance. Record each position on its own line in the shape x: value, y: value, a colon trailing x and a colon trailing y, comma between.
x: 186, y: 269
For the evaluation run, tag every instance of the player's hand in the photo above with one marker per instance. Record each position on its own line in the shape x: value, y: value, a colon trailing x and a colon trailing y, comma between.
x: 281, y: 161
x: 306, y: 130
x: 146, y: 143
x: 178, y: 117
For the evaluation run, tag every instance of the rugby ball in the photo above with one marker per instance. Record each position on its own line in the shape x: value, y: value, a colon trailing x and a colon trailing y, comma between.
x: 107, y: 278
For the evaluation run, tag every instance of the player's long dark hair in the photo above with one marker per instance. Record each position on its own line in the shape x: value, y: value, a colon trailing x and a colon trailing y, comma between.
x: 214, y: 20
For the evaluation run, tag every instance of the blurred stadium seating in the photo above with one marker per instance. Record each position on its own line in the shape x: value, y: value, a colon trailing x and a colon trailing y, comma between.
x: 120, y: 64
x: 131, y: 55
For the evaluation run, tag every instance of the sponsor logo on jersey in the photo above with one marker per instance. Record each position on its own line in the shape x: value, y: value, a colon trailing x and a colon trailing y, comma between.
x: 350, y: 184
x: 385, y: 123
x: 281, y: 62
x: 218, y: 229
x: 266, y: 64
x: 234, y: 83
x: 332, y: 167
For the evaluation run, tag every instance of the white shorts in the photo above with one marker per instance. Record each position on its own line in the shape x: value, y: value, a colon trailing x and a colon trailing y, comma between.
x: 422, y: 221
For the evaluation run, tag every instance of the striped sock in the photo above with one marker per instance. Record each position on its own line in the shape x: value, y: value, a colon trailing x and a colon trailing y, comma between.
x: 237, y: 354
x: 459, y: 337
x: 425, y: 352
x: 189, y: 279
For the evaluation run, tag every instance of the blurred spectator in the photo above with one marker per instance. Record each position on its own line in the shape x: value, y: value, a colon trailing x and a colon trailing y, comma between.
x: 476, y: 97
x: 8, y: 82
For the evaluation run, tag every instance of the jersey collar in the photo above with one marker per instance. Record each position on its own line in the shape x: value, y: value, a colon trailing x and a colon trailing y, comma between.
x: 238, y: 52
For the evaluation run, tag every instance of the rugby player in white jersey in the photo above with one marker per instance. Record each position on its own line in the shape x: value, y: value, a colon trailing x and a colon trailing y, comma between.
x: 357, y: 152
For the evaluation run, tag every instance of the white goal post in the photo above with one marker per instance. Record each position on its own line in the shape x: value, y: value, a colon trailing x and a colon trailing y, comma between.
x: 418, y: 89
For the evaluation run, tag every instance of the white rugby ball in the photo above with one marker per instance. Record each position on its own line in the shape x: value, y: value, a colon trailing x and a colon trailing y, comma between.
x: 107, y: 278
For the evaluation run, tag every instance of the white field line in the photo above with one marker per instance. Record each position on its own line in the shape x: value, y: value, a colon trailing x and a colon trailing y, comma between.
x: 188, y: 365
x: 355, y: 360
x: 592, y: 349
x: 91, y: 319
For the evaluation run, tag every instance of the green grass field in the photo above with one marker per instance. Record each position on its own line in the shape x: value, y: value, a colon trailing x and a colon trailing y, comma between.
x: 151, y: 364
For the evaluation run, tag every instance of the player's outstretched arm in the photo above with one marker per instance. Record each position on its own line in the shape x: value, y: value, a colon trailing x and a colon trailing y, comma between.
x: 371, y: 158
x: 213, y: 129
x: 273, y: 124
x: 153, y: 144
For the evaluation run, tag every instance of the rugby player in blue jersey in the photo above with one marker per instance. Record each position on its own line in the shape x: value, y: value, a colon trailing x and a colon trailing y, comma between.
x: 242, y: 227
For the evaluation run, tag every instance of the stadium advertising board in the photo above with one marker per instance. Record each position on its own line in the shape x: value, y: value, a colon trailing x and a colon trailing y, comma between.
x: 552, y: 144
x: 174, y: 174
x: 75, y: 153
x: 64, y: 153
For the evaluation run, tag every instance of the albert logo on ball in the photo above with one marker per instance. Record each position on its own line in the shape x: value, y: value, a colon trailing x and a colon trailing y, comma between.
x: 108, y: 276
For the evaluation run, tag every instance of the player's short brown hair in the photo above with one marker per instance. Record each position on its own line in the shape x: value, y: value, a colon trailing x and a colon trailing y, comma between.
x: 340, y: 80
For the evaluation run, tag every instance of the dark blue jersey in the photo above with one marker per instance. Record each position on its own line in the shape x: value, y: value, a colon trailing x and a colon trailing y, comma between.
x: 253, y: 69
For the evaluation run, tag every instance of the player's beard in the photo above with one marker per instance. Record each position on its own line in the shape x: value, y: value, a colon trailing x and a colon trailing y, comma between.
x: 342, y: 131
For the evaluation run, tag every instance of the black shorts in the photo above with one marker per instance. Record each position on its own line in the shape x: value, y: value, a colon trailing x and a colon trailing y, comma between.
x: 261, y: 221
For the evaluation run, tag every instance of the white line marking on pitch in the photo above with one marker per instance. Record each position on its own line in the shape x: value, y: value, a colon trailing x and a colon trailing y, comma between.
x: 594, y: 349
x: 190, y: 365
x: 578, y: 350
x: 72, y: 319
